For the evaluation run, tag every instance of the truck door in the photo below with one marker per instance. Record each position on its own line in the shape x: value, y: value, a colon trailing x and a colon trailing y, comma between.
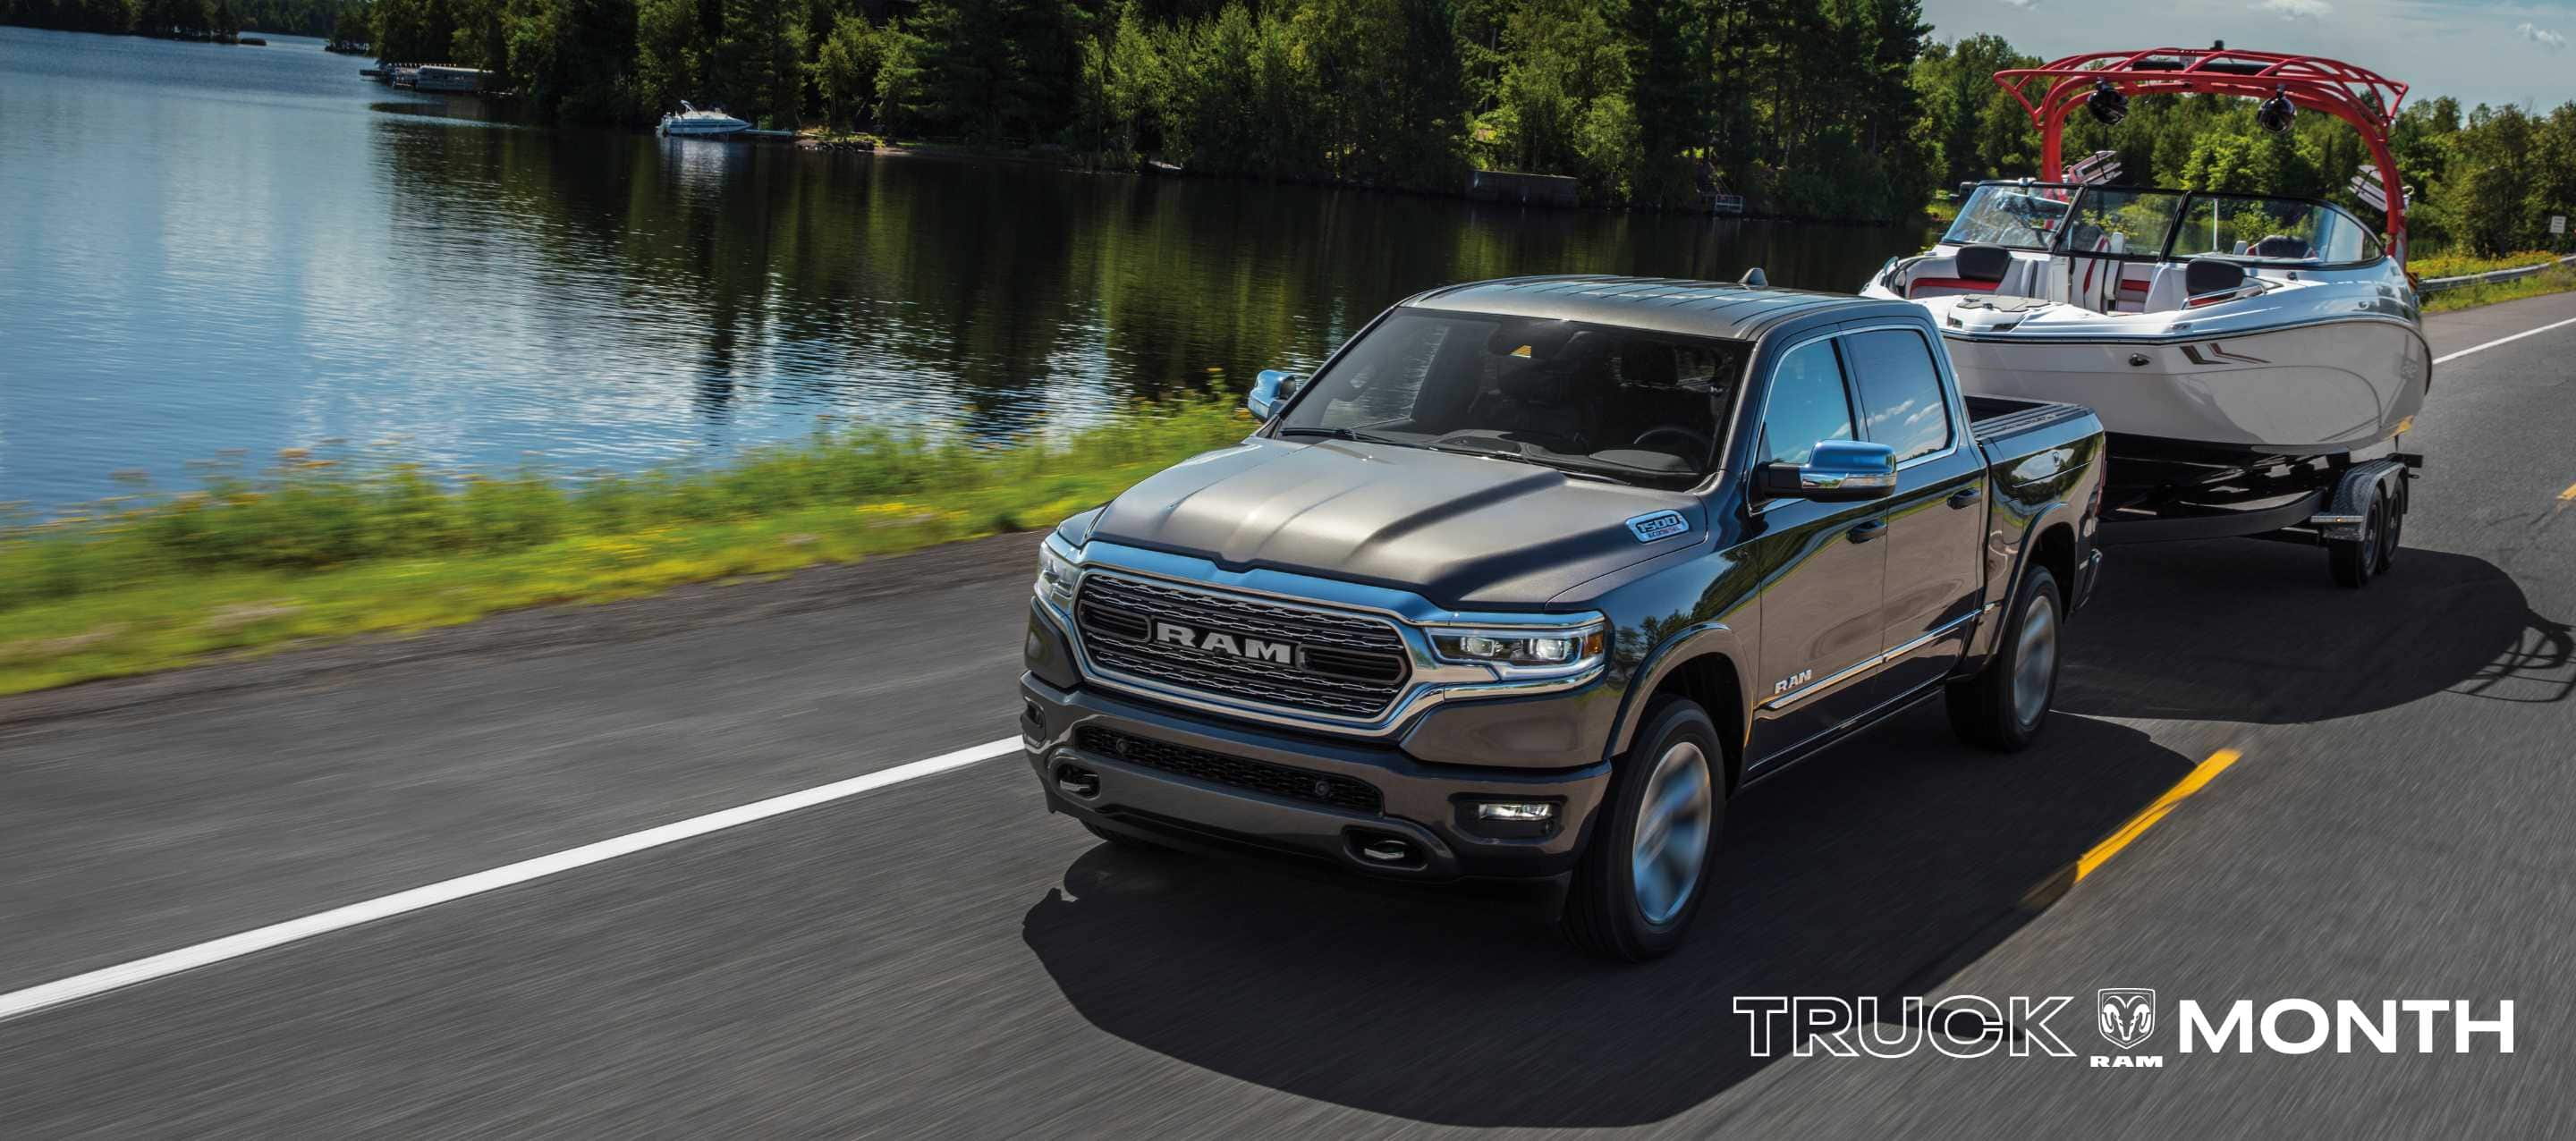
x: 1936, y: 521
x: 1824, y: 566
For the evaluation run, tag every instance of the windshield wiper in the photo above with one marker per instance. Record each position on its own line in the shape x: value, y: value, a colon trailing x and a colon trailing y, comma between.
x: 1578, y: 471
x: 1351, y: 434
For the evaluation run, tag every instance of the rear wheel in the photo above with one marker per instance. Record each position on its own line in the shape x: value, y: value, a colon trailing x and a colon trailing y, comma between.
x: 2354, y: 561
x: 1644, y: 873
x: 2006, y: 704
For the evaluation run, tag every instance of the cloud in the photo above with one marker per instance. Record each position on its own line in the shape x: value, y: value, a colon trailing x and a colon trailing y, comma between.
x: 2024, y: 5
x: 2542, y: 36
x: 2296, y: 9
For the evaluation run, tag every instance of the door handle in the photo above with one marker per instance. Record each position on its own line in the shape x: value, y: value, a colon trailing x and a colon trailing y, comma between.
x: 1966, y: 497
x: 1864, y: 532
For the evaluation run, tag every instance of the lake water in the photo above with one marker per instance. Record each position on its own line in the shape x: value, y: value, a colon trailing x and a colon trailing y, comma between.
x: 212, y: 253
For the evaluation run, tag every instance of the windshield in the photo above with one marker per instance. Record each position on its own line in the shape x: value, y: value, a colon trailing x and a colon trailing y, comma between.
x: 2010, y: 216
x: 1628, y: 404
x: 2271, y: 229
x: 2121, y: 221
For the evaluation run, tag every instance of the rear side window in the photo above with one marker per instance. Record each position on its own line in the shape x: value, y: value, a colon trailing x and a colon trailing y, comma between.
x: 1808, y: 405
x: 1900, y: 392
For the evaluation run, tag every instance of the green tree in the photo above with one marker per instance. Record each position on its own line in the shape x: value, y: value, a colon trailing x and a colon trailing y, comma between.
x: 756, y: 66
x: 845, y: 72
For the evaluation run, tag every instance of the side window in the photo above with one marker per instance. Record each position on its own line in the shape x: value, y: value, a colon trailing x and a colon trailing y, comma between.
x: 1808, y: 404
x: 1900, y: 392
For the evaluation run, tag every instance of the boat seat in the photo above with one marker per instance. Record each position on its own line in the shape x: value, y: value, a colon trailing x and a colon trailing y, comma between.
x: 1974, y: 269
x: 2165, y: 291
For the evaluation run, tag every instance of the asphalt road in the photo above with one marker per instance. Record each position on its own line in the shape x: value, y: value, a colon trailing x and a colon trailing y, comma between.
x: 941, y: 955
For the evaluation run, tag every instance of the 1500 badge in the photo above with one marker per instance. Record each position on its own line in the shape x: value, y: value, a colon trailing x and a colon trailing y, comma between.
x: 1660, y: 525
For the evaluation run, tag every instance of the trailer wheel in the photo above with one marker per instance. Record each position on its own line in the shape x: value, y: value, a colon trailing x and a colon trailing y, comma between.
x: 2353, y: 561
x: 2396, y: 527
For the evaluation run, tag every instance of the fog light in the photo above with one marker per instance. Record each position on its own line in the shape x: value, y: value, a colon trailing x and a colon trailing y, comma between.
x: 1504, y: 810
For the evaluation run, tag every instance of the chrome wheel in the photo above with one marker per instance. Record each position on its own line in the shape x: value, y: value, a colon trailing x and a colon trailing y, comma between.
x: 2035, y: 661
x: 1672, y: 833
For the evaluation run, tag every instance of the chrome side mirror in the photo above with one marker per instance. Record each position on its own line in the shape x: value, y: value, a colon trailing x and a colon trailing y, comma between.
x: 1838, y: 471
x: 1270, y: 390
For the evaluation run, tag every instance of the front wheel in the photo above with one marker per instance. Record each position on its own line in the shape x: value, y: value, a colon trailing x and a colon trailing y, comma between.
x: 1645, y: 872
x: 2004, y: 706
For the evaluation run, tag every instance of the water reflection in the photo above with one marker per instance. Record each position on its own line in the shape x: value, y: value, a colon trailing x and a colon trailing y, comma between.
x: 328, y: 261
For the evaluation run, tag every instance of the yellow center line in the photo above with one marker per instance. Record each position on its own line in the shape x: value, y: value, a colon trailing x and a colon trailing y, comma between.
x: 2138, y: 825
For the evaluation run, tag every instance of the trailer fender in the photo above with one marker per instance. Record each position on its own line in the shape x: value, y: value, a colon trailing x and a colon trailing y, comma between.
x: 2349, y: 507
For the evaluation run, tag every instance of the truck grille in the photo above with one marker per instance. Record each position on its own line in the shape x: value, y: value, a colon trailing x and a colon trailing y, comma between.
x: 1217, y: 768
x: 1344, y: 665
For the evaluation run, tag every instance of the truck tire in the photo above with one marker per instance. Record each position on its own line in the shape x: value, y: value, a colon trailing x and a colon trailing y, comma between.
x: 2004, y: 707
x: 1644, y: 874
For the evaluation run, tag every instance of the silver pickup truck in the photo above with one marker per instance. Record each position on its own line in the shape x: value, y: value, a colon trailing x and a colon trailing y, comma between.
x: 1533, y: 575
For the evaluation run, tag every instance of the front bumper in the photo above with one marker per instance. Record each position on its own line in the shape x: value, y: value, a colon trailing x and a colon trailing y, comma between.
x: 1427, y: 808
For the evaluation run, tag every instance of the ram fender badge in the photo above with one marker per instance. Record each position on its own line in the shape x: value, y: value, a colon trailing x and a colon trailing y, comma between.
x: 1659, y: 525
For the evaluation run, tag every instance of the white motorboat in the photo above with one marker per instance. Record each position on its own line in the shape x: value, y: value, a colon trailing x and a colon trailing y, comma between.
x: 2213, y: 332
x: 690, y: 121
x: 2224, y: 324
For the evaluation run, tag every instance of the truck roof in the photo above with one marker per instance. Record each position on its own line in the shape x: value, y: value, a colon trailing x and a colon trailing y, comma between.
x: 1669, y: 305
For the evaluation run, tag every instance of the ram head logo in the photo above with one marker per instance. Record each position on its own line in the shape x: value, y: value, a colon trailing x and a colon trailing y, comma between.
x: 2128, y: 1015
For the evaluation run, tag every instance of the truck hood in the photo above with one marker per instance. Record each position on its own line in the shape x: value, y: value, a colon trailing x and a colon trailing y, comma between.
x: 1463, y: 532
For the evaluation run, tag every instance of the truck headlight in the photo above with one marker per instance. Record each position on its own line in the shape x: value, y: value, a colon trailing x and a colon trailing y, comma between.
x: 1549, y: 649
x: 1055, y: 578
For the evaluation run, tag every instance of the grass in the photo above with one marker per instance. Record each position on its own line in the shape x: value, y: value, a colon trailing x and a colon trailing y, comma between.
x: 320, y: 548
x: 2461, y: 265
x: 2559, y: 280
x: 327, y: 547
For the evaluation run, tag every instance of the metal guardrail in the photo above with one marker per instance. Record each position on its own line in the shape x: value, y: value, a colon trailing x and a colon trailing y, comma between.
x: 2438, y: 284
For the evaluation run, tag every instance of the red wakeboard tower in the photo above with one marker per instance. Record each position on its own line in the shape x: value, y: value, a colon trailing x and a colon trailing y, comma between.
x: 2358, y: 96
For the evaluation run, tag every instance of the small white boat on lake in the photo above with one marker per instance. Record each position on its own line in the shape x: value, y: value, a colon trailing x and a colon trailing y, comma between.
x: 689, y: 120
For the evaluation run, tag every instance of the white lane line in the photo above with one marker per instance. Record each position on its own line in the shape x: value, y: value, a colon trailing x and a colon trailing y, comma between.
x: 2447, y: 358
x: 37, y: 998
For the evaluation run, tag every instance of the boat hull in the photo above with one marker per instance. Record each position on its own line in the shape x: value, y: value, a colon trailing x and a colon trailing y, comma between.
x: 2319, y: 388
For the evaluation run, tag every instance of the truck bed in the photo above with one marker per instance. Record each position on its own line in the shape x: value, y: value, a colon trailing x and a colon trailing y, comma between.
x: 1992, y: 419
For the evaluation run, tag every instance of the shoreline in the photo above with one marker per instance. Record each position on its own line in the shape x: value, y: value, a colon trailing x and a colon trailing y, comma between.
x: 174, y: 614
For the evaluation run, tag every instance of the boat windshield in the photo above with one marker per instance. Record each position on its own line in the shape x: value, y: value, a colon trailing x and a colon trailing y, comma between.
x: 2122, y: 221
x: 2174, y: 224
x: 2020, y: 218
x: 2271, y: 229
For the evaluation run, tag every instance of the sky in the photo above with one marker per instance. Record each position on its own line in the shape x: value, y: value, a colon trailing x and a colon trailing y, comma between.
x: 2478, y: 51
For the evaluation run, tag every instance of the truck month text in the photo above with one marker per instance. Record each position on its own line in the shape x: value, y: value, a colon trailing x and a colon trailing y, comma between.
x: 2126, y: 1019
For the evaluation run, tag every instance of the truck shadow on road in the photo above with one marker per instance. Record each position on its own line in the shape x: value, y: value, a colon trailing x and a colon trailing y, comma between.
x: 1877, y: 869
x: 2253, y: 632
x: 1862, y: 873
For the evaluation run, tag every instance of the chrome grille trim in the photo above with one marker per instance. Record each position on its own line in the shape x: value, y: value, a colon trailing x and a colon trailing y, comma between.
x: 1433, y: 682
x: 1363, y: 669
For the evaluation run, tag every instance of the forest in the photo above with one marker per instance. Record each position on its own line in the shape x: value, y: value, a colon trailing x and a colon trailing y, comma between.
x: 1844, y: 110
x: 185, y: 19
